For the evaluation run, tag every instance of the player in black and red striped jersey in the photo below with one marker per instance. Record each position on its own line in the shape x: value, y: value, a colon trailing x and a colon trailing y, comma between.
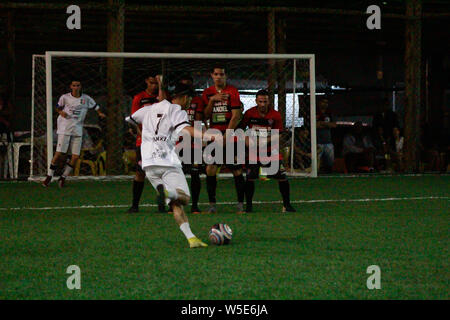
x: 262, y: 119
x: 195, y: 113
x: 152, y: 94
x: 223, y: 109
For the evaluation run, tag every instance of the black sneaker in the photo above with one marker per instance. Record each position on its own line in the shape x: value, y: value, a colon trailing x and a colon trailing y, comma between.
x: 249, y: 208
x: 161, y: 199
x: 133, y: 210
x: 195, y: 210
x: 47, y: 181
x: 289, y: 208
x: 61, y: 181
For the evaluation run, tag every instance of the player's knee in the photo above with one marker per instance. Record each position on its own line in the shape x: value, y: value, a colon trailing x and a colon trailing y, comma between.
x: 140, y: 176
x: 237, y: 172
x: 211, y: 170
x: 183, y: 198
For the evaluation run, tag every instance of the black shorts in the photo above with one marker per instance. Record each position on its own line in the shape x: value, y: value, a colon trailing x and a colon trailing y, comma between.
x: 231, y: 166
x: 253, y: 171
x: 194, y: 168
x: 138, y: 165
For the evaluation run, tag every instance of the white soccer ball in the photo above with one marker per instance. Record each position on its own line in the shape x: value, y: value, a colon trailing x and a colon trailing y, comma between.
x: 220, y: 234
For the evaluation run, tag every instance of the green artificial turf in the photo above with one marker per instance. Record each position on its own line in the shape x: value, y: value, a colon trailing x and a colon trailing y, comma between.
x: 320, y: 252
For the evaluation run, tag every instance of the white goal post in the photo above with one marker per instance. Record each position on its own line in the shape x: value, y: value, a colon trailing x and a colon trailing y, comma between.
x: 303, y: 65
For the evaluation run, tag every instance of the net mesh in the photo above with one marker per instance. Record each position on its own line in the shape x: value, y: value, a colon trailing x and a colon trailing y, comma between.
x: 107, y: 147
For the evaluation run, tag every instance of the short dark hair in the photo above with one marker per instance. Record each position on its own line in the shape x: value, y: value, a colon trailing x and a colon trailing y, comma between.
x: 182, y: 90
x: 74, y: 79
x: 150, y: 74
x: 186, y: 76
x: 217, y: 66
x: 262, y: 92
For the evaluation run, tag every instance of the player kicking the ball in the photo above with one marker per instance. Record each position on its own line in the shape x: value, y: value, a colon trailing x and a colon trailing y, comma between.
x: 72, y: 108
x: 162, y: 124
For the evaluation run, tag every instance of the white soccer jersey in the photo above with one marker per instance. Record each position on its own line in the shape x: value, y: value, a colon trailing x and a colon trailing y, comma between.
x: 76, y: 109
x: 162, y: 123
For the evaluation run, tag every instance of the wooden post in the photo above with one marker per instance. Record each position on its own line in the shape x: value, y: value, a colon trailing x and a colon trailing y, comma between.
x: 11, y: 57
x: 413, y: 56
x: 281, y: 65
x: 271, y: 46
x: 114, y: 123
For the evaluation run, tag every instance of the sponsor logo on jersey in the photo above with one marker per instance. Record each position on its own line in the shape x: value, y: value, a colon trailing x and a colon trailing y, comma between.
x: 220, y: 108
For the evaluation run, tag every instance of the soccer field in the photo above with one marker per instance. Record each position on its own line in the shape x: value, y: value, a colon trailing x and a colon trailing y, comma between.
x: 342, y: 226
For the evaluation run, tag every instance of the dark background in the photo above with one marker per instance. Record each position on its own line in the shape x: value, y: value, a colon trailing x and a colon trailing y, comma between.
x: 347, y: 53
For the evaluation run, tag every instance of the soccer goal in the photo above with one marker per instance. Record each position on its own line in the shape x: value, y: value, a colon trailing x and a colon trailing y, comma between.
x: 112, y: 79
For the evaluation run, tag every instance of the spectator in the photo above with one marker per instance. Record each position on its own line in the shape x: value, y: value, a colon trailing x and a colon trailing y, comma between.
x: 5, y: 114
x: 358, y: 150
x: 429, y: 147
x: 381, y: 145
x: 324, y: 142
x: 396, y: 152
x: 302, y: 148
x: 386, y: 119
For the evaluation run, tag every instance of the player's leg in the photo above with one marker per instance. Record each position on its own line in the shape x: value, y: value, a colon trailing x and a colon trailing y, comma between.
x: 177, y: 192
x: 252, y: 175
x: 239, y: 183
x: 283, y: 186
x: 61, y: 148
x: 328, y: 155
x: 211, y: 185
x: 138, y: 183
x: 75, y: 149
x: 196, y: 185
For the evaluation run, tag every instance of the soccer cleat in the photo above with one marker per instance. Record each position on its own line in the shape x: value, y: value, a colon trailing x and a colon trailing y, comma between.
x: 212, y: 209
x: 161, y: 199
x: 195, y: 242
x: 47, y: 181
x: 61, y: 181
x: 289, y: 208
x: 195, y: 210
x: 133, y: 210
x: 240, y: 208
x: 249, y: 208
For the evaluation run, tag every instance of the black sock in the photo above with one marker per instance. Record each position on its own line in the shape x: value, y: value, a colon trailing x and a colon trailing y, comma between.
x: 249, y: 191
x: 239, y: 183
x: 284, y: 190
x: 138, y: 187
x: 195, y: 188
x: 211, y: 183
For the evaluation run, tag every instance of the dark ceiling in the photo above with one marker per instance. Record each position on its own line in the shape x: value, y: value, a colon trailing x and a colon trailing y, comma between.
x: 224, y: 26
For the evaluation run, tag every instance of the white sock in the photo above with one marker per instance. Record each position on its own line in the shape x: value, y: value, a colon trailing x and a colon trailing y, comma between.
x: 51, y: 170
x: 186, y: 230
x: 67, y: 170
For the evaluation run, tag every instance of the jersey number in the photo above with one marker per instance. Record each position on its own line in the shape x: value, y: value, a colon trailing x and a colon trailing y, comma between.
x: 157, y: 126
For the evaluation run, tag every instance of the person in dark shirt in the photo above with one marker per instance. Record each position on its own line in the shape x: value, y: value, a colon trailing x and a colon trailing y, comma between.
x: 386, y: 119
x: 324, y: 142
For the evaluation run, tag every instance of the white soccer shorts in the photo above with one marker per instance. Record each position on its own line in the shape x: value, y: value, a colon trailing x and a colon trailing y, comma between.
x: 66, y: 142
x: 171, y: 178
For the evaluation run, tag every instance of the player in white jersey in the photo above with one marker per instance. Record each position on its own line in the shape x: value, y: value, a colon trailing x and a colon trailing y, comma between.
x: 162, y: 124
x: 72, y: 108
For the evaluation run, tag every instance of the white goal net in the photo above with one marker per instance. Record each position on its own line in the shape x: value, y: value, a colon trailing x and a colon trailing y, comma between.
x: 112, y: 79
